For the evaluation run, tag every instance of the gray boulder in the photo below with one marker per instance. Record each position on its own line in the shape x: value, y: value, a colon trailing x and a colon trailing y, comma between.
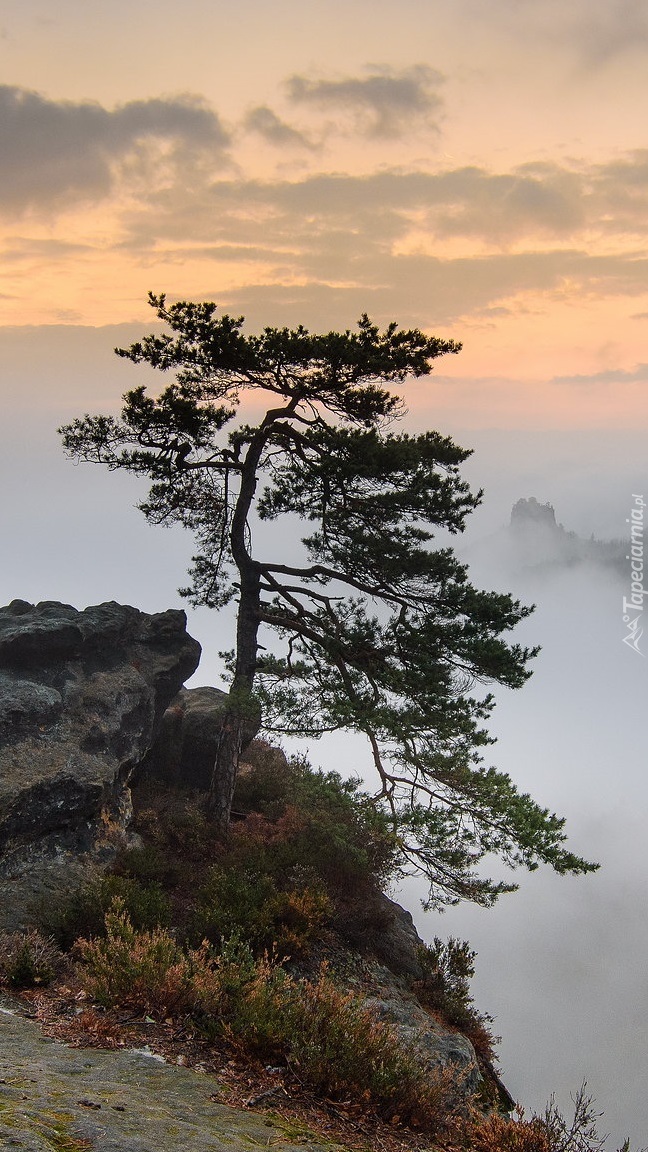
x: 184, y: 752
x: 82, y: 695
x: 396, y: 942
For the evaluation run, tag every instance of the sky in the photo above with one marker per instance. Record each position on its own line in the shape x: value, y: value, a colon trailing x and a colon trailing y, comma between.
x: 478, y: 170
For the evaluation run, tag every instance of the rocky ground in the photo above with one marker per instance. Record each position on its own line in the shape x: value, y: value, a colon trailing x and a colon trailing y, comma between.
x: 73, y: 1080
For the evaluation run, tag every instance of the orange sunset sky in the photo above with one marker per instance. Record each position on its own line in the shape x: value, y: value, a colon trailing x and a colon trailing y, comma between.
x: 477, y: 169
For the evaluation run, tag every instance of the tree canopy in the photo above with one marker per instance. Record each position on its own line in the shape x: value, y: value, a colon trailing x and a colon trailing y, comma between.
x: 374, y: 630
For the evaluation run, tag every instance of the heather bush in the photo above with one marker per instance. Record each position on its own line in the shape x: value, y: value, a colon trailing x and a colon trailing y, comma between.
x: 231, y: 901
x: 448, y: 968
x: 328, y: 1038
x: 83, y: 912
x: 264, y: 783
x: 28, y: 959
x: 175, y: 824
x: 146, y: 971
x: 303, y: 918
x: 307, y: 851
x: 549, y: 1132
x: 340, y: 832
x: 261, y: 892
x: 336, y: 1046
x: 149, y: 864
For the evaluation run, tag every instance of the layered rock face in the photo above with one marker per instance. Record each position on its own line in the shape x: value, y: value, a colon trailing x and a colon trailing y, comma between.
x: 81, y: 699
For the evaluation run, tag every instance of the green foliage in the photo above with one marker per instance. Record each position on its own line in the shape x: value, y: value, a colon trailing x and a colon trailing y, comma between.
x: 176, y: 832
x: 448, y: 967
x: 337, y: 829
x: 28, y: 960
x: 307, y: 852
x: 374, y: 629
x: 236, y: 900
x: 150, y: 865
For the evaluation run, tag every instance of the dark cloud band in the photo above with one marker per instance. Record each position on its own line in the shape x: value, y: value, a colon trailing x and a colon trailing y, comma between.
x: 53, y: 151
x: 384, y: 103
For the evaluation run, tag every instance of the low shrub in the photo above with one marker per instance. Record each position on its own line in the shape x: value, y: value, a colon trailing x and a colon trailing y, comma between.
x: 265, y: 784
x: 548, y: 1132
x: 149, y: 864
x: 331, y: 825
x: 234, y: 901
x: 303, y: 917
x: 445, y: 986
x: 83, y: 913
x: 176, y: 825
x: 306, y: 851
x: 146, y: 971
x: 496, y: 1133
x: 245, y: 897
x: 28, y: 959
x: 336, y: 1046
x: 330, y: 1039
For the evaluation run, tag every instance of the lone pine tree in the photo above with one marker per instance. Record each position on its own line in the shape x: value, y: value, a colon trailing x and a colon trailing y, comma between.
x: 374, y: 630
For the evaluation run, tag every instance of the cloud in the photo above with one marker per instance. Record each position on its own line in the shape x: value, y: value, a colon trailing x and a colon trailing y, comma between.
x: 171, y: 154
x: 593, y: 32
x: 614, y: 30
x: 342, y: 243
x: 638, y: 375
x: 60, y: 152
x: 384, y: 104
x: 323, y: 288
x: 21, y: 250
x: 381, y: 208
x: 504, y: 210
x: 499, y: 208
x: 267, y: 124
x: 385, y: 240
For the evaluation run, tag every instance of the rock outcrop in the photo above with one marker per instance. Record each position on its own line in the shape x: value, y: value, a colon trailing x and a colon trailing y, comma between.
x: 82, y: 694
x: 396, y: 942
x: 92, y: 702
x: 530, y: 512
x: 539, y: 543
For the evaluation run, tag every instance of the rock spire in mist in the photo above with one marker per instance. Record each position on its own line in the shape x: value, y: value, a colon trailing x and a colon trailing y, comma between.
x: 530, y: 512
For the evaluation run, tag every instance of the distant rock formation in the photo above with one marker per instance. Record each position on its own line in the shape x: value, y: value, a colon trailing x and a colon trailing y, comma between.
x: 534, y: 544
x: 530, y: 513
x: 537, y: 541
x: 82, y: 695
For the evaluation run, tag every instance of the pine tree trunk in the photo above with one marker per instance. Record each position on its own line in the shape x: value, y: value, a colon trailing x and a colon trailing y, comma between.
x: 223, y: 782
x: 240, y: 707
